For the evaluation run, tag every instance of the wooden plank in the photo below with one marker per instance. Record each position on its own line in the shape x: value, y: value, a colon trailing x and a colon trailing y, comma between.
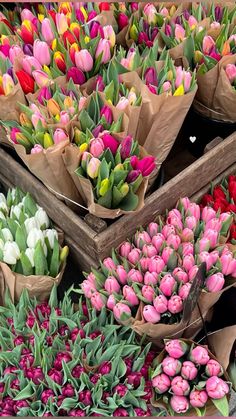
x: 212, y: 144
x: 61, y: 215
x: 186, y: 183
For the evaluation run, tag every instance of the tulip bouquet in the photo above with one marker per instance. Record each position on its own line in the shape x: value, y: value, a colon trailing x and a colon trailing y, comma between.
x: 189, y: 380
x: 144, y: 30
x: 221, y: 14
x: 223, y: 199
x: 116, y: 174
x: 77, y: 362
x: 29, y: 248
x: 150, y: 277
x: 230, y: 71
x: 123, y: 13
x: 129, y: 60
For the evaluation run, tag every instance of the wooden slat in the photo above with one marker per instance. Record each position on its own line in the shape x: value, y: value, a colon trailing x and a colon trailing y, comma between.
x: 186, y: 183
x: 61, y: 215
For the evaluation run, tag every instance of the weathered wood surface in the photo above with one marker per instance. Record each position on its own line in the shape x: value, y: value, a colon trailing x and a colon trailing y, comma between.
x: 186, y: 183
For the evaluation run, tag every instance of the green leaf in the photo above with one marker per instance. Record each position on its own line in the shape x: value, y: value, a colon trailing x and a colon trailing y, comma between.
x: 222, y: 405
x: 136, y: 184
x: 85, y: 121
x: 40, y: 260
x: 189, y: 50
x: 20, y: 238
x: 26, y: 393
x: 30, y: 206
x: 106, y: 200
x: 130, y: 202
x: 109, y: 91
x: 55, y: 261
x: 26, y: 265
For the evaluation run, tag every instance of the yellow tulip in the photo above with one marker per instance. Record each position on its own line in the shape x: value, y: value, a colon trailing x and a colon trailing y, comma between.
x: 47, y: 140
x: 105, y: 184
x: 179, y: 91
x: 124, y: 189
x: 57, y: 117
x: 40, y: 17
x: 68, y: 102
x: 64, y: 253
x: 83, y: 147
x: 134, y: 33
x: 54, y: 44
x: 119, y: 167
x: 47, y: 70
x: 86, y: 39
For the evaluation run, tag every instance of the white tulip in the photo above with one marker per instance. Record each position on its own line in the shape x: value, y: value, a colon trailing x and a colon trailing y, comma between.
x: 51, y: 235
x: 30, y: 255
x: 33, y: 237
x: 3, y: 198
x: 11, y: 253
x: 7, y: 235
x: 42, y: 218
x: 30, y: 224
x: 2, y: 216
x: 3, y: 207
x: 1, y: 244
x: 16, y: 211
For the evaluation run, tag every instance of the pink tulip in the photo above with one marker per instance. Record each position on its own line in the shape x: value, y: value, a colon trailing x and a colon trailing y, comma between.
x: 216, y: 388
x: 36, y: 149
x: 179, y: 32
x: 167, y: 285
x: 14, y: 52
x: 121, y: 311
x: 123, y: 103
x: 184, y: 291
x: 150, y: 278
x: 188, y: 262
x: 84, y: 60
x: 167, y: 230
x: 184, y: 202
x: 44, y: 95
x: 61, y: 23
x: 192, y: 21
x: 144, y: 263
x: 161, y: 383
x: 59, y: 136
x: 111, y: 302
x: 148, y: 293
x: 207, y: 214
x: 150, y: 314
x: 96, y: 147
x: 152, y: 229
x: 142, y: 238
x: 130, y: 295
x: 199, y: 355
x: 180, y: 275
x: 103, y: 50
x: 38, y: 119
x: 29, y: 64
x: 109, y: 264
x: 198, y: 398
x: 158, y: 241
x: 112, y: 285
x: 146, y: 165
x: 125, y: 249
x: 175, y: 304
x: 135, y: 276
x: 179, y: 404
x: 214, y: 224
x: 156, y: 264
x: 150, y: 76
x: 41, y: 78
x: 215, y: 282
x: 174, y: 221
x: 189, y: 370
x: 88, y: 288
x: 134, y: 256
x: 166, y: 254
x: 47, y: 31
x: 187, y: 235
x: 121, y: 274
x: 187, y: 249
x: 41, y: 52
x: 167, y: 86
x: 64, y: 117
x: 98, y: 301
x: 26, y: 14
x: 161, y: 304
x: 204, y: 245
x: 110, y: 142
x: 149, y: 250
x: 208, y: 44
x: 173, y: 241
x: 212, y: 236
x: 228, y: 263
x: 171, y: 366
x: 230, y: 70
x: 194, y: 210
x: 213, y: 368
x: 191, y: 222
x: 176, y: 348
x: 180, y: 386
x: 175, y: 213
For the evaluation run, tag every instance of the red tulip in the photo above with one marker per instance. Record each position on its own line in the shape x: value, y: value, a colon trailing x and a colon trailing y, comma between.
x: 26, y: 81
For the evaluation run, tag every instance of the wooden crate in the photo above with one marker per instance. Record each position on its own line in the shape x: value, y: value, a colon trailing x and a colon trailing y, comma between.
x: 91, y: 239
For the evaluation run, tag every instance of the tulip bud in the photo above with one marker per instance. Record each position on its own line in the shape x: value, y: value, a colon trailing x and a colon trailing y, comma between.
x: 111, y: 302
x: 134, y: 256
x: 148, y: 293
x: 176, y: 348
x: 103, y: 50
x: 161, y: 383
x: 130, y: 295
x: 215, y: 282
x: 59, y: 136
x: 156, y: 264
x: 161, y: 304
x: 180, y: 386
x: 61, y: 23
x: 125, y: 249
x: 60, y: 61
x: 41, y: 52
x: 184, y: 291
x: 198, y: 398
x: 121, y: 312
x: 199, y: 355
x: 98, y: 301
x: 96, y: 147
x: 171, y: 366
x: 189, y: 370
x: 41, y: 78
x: 135, y: 276
x: 168, y: 285
x: 150, y: 278
x: 121, y: 274
x: 84, y: 60
x: 179, y: 404
x: 175, y: 304
x: 216, y: 388
x: 107, y: 113
x: 53, y: 107
x: 109, y: 141
x: 150, y: 314
x: 109, y: 34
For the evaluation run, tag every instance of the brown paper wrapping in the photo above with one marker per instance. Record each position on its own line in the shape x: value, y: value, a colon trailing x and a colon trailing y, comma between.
x: 9, y: 109
x: 225, y: 94
x: 222, y: 343
x: 37, y: 286
x: 210, y: 407
x: 48, y: 166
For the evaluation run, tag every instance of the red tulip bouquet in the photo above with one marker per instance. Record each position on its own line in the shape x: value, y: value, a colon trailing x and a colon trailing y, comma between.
x: 188, y: 380
x: 209, y: 55
x: 147, y: 281
x: 77, y: 362
x: 222, y: 198
x: 113, y: 175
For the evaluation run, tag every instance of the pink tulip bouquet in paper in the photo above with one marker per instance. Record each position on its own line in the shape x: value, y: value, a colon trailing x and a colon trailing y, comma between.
x: 151, y: 276
x: 188, y: 379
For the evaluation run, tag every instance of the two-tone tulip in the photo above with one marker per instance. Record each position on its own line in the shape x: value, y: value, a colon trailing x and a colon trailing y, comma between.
x: 41, y: 52
x: 84, y: 60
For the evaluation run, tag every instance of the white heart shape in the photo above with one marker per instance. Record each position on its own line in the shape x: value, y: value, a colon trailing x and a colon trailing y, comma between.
x: 192, y: 139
